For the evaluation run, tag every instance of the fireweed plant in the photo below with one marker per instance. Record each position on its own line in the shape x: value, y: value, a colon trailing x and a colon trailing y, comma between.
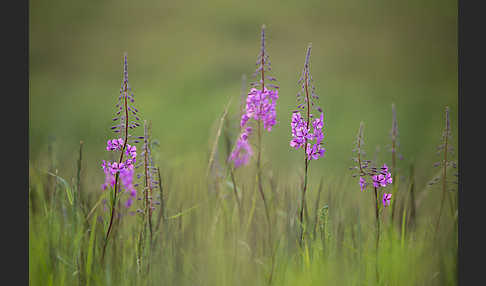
x: 123, y: 169
x: 380, y: 178
x: 149, y: 176
x: 446, y: 148
x: 302, y: 133
x: 395, y: 144
x: 260, y: 106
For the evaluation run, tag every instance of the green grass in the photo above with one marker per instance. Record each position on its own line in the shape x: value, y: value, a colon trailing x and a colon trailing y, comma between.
x: 202, y: 241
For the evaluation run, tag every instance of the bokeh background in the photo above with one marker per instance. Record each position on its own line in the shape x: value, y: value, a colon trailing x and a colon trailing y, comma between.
x: 186, y: 59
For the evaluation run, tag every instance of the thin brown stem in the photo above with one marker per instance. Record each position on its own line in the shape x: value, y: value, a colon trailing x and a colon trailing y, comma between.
x: 259, y: 170
x: 112, y: 215
x: 393, y: 172
x: 360, y: 135
x: 231, y: 170
x: 301, y: 216
x: 377, y: 216
x: 161, y: 215
x: 444, y: 185
x: 260, y: 187
x: 238, y: 203
x: 148, y: 190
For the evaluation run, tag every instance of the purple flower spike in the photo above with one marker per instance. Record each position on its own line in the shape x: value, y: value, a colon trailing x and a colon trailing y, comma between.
x: 261, y: 101
x: 260, y: 105
x: 302, y: 135
x: 386, y: 199
x: 126, y: 117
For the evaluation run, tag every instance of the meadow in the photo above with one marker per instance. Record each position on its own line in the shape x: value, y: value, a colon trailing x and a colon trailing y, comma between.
x: 198, y: 219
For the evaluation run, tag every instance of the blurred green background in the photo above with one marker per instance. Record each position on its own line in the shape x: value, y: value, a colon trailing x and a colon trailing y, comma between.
x: 186, y: 58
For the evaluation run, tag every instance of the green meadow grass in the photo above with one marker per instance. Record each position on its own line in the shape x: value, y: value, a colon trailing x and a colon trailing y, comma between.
x: 202, y: 241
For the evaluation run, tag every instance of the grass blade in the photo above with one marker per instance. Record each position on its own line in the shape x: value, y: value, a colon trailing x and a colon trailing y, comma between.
x: 89, y: 259
x: 67, y: 188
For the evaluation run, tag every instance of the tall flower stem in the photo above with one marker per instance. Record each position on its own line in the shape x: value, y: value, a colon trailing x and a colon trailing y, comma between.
x: 162, y: 201
x: 394, y: 134
x: 231, y: 170
x: 148, y: 185
x: 235, y: 191
x: 395, y: 187
x: 260, y: 188
x: 259, y: 175
x: 259, y: 167
x: 125, y: 139
x: 377, y: 216
x: 301, y: 216
x: 444, y: 171
x: 302, y: 204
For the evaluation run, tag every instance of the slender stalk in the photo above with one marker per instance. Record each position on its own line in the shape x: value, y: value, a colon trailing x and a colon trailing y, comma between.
x: 50, y: 189
x: 444, y: 173
x: 260, y: 187
x: 412, y: 197
x: 237, y: 199
x: 161, y: 217
x: 377, y: 216
x: 148, y: 181
x: 77, y: 197
x: 162, y: 202
x: 360, y: 136
x: 394, y: 139
x: 301, y: 216
x: 112, y: 215
x: 140, y: 247
x: 316, y: 209
x: 259, y: 167
x: 394, y: 154
x: 148, y: 188
x: 259, y: 173
x: 231, y: 170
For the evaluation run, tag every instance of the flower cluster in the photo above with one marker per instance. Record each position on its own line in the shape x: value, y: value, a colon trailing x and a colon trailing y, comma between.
x: 125, y: 169
x: 380, y: 179
x: 260, y: 105
x: 301, y: 134
x: 383, y: 178
x: 242, y: 152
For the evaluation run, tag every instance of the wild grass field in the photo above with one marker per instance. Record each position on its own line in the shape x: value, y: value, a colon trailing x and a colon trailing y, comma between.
x: 201, y: 220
